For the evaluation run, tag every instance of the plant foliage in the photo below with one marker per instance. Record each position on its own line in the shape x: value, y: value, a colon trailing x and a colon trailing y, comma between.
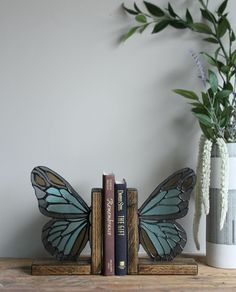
x: 215, y: 108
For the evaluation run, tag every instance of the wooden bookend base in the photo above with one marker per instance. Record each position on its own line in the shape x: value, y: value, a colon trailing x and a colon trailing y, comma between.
x: 179, y: 266
x: 47, y: 267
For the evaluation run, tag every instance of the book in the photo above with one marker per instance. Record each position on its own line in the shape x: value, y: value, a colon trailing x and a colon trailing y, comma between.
x: 109, y: 227
x: 121, y: 228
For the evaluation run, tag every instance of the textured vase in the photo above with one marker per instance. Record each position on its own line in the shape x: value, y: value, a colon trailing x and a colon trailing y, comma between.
x: 221, y: 244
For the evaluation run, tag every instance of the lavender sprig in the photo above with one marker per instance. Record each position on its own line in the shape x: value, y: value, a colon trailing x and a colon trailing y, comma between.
x: 200, y: 67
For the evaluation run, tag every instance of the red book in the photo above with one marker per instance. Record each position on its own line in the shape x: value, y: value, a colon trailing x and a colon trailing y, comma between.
x: 109, y: 227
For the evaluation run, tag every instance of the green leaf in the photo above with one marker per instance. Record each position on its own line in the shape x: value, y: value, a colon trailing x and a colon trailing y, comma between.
x: 199, y: 110
x: 210, y: 93
x: 228, y: 86
x: 220, y: 65
x: 228, y: 24
x: 204, y: 119
x: 223, y: 121
x: 141, y: 18
x: 225, y: 69
x: 211, y: 40
x: 130, y: 11
x: 216, y: 107
x: 232, y: 36
x: 178, y: 24
x: 130, y: 33
x: 171, y: 11
x: 208, y: 132
x: 213, y: 81
x: 222, y: 27
x: 142, y: 28
x: 136, y: 8
x: 205, y: 99
x: 196, y: 104
x: 233, y: 57
x: 160, y: 26
x: 222, y: 7
x: 153, y: 9
x: 210, y: 59
x: 233, y: 53
x: 189, y: 17
x: 223, y: 94
x: 201, y: 28
x: 208, y: 15
x: 217, y: 53
x: 225, y: 116
x: 187, y: 94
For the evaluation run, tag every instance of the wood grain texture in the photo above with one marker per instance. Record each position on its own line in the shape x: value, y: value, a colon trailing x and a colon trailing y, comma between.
x: 96, y: 232
x: 15, y: 275
x: 179, y: 266
x: 48, y: 267
x: 132, y: 228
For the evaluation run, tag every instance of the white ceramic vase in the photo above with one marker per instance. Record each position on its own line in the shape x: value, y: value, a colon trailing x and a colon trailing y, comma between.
x: 221, y: 244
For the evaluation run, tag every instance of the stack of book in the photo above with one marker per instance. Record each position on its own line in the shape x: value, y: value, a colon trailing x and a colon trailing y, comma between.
x: 114, y: 202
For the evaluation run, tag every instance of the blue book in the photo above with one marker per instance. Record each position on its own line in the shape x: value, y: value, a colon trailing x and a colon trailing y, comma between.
x: 121, y: 256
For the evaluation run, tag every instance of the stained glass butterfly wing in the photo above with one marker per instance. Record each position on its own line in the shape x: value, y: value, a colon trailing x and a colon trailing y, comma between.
x: 65, y: 238
x: 68, y: 232
x: 160, y: 235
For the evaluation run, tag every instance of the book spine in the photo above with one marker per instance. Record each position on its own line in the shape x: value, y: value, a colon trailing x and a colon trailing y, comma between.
x: 121, y: 229
x: 109, y: 228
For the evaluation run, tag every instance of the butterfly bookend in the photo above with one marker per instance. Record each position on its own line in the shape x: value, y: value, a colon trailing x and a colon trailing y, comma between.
x: 73, y: 224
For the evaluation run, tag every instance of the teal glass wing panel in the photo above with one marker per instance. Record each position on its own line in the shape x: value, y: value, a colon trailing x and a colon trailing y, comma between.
x: 67, y: 233
x: 160, y: 235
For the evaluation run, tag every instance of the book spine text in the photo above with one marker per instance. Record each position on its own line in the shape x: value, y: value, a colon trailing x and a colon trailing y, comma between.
x: 109, y: 234
x: 120, y: 229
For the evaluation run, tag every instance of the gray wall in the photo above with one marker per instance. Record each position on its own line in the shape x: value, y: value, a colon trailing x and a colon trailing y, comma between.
x: 75, y: 99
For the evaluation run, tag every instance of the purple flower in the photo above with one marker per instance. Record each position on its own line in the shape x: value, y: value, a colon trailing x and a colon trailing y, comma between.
x: 200, y: 67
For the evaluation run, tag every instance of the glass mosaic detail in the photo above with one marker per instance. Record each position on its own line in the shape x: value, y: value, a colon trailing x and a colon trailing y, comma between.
x: 66, y: 235
x: 160, y: 235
